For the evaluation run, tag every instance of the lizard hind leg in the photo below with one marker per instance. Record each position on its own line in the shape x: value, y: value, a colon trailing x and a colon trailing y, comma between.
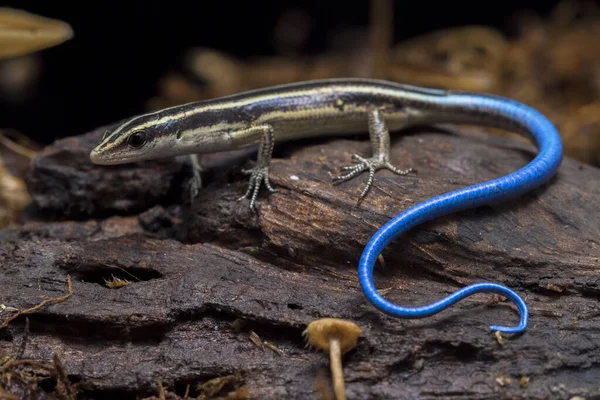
x: 380, y: 143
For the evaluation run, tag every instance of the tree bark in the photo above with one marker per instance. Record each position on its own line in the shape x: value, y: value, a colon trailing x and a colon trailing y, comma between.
x: 205, y: 276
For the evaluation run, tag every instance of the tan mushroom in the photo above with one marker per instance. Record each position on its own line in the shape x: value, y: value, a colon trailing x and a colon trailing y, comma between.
x: 335, y: 336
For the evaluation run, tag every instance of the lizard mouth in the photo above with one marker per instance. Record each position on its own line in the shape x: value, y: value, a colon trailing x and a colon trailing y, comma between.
x: 95, y: 157
x: 101, y: 158
x: 104, y: 157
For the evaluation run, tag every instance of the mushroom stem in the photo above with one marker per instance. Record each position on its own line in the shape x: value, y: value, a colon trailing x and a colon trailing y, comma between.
x: 335, y: 358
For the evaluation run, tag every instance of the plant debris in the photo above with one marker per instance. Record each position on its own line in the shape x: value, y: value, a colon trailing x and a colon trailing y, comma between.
x: 116, y: 282
x: 214, y: 386
x: 40, y: 305
x: 22, y: 32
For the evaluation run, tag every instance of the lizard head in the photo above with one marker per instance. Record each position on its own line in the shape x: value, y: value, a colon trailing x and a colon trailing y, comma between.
x: 165, y: 133
x: 136, y: 139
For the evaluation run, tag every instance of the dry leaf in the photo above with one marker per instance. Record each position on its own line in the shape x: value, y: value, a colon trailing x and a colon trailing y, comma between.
x: 13, y: 196
x: 22, y: 32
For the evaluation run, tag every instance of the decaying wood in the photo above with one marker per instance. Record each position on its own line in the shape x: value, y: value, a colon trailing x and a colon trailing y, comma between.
x: 207, y: 275
x: 64, y: 182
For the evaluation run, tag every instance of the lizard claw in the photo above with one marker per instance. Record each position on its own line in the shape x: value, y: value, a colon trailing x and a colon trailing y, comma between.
x: 372, y: 165
x: 258, y: 175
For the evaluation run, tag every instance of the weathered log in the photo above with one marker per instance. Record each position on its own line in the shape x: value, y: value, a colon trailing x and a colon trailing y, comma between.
x: 63, y: 182
x: 197, y: 270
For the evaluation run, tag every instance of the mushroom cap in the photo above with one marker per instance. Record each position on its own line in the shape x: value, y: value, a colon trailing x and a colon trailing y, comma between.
x: 320, y: 332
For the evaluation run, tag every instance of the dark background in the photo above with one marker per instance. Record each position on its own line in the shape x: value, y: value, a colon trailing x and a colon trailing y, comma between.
x: 122, y: 48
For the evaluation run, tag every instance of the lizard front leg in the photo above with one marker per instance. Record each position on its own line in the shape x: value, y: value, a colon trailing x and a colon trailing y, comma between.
x: 380, y: 143
x: 195, y: 182
x: 260, y: 173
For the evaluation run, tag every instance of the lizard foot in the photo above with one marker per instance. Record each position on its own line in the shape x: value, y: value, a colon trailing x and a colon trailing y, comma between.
x: 194, y: 185
x: 257, y: 176
x: 367, y: 164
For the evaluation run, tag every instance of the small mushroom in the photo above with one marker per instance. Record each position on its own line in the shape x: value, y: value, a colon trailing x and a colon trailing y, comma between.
x: 335, y: 336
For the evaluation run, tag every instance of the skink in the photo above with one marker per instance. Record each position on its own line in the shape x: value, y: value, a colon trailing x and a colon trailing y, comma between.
x: 343, y: 106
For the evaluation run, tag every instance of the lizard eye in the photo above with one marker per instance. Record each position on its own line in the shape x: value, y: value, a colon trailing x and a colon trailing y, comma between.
x: 137, y: 139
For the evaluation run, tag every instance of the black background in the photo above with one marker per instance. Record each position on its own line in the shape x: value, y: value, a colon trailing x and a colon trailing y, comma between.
x: 122, y: 48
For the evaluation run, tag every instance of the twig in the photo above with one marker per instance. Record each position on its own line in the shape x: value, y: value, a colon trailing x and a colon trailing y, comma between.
x: 161, y: 391
x: 63, y: 378
x: 122, y: 269
x: 12, y: 364
x: 42, y: 304
x: 17, y: 148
